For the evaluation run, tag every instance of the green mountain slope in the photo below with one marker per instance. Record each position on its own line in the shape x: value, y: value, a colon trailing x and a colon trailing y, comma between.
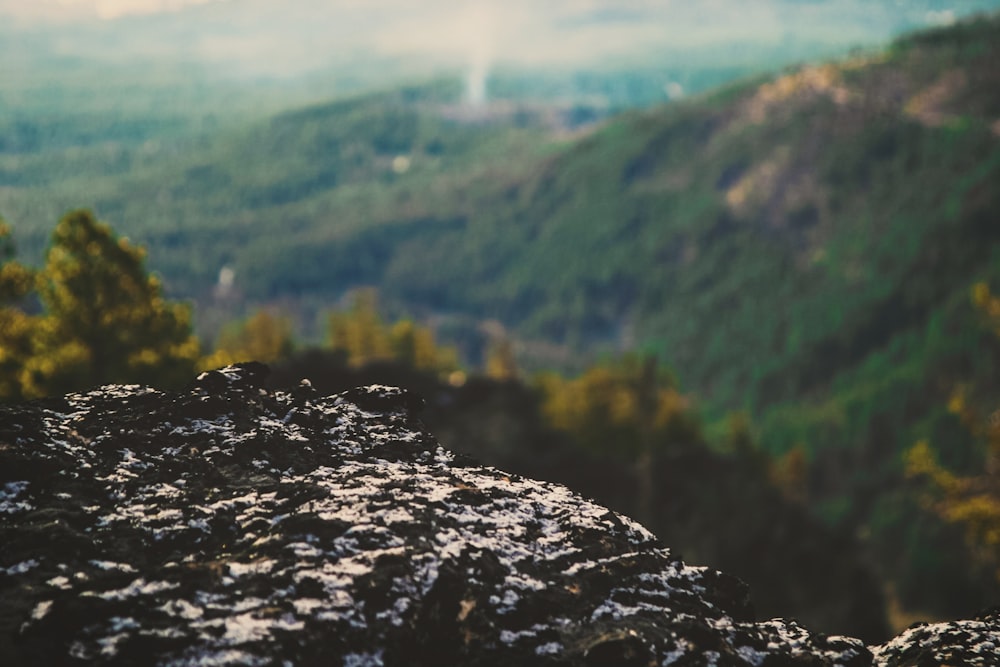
x: 766, y: 239
x: 801, y: 248
x: 319, y: 175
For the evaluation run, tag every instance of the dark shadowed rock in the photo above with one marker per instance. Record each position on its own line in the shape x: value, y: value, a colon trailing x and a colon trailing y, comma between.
x: 233, y: 525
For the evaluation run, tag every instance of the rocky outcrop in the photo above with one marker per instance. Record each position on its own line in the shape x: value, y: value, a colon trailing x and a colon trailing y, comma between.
x: 712, y: 507
x: 232, y: 525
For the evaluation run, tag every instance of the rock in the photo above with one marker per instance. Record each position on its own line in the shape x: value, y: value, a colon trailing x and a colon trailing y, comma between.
x: 718, y: 505
x: 968, y: 643
x: 232, y: 525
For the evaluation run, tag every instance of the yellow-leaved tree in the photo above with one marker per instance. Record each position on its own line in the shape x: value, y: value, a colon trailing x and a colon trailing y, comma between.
x: 629, y: 409
x: 973, y: 501
x: 414, y: 345
x: 360, y: 331
x: 620, y: 408
x: 501, y: 361
x: 364, y: 337
x: 104, y: 317
x: 264, y: 337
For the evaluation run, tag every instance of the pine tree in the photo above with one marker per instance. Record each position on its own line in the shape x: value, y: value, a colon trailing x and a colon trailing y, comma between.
x: 16, y: 283
x: 105, y: 317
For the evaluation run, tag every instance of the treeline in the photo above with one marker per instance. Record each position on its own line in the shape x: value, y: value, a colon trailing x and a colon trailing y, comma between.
x: 94, y: 315
x: 970, y: 501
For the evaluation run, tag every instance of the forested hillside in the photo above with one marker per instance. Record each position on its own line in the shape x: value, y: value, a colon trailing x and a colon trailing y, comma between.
x: 805, y: 187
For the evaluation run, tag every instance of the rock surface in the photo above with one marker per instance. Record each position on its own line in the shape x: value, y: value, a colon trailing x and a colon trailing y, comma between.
x: 231, y: 525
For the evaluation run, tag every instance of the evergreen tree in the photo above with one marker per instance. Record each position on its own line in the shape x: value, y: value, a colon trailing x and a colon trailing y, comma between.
x: 16, y: 283
x: 105, y: 317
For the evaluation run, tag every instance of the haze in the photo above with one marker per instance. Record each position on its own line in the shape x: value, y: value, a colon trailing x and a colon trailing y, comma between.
x: 267, y: 38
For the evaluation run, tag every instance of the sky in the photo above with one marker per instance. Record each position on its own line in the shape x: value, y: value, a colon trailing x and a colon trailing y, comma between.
x: 105, y: 9
x: 291, y: 36
x: 111, y: 9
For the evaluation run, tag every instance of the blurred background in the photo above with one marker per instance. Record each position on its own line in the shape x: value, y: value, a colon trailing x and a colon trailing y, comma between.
x: 727, y: 267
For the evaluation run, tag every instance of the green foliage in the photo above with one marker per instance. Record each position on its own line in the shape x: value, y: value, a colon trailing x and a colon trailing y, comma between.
x: 105, y: 318
x: 973, y: 501
x: 16, y: 283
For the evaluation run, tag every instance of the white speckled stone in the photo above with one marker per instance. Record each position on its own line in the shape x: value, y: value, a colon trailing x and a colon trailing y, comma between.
x: 231, y: 525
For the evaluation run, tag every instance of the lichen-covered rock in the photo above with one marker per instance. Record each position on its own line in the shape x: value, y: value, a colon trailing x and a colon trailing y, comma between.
x: 231, y: 525
x: 971, y: 643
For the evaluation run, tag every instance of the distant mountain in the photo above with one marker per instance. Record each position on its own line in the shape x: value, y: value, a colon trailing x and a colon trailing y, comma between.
x: 67, y: 57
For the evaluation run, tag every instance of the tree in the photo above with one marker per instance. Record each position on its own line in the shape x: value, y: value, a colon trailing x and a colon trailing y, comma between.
x: 362, y: 334
x: 414, y: 345
x: 16, y: 283
x: 630, y: 409
x: 105, y: 317
x: 360, y: 331
x: 263, y: 337
x: 972, y: 502
x: 790, y: 473
x: 627, y: 407
x: 501, y: 362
